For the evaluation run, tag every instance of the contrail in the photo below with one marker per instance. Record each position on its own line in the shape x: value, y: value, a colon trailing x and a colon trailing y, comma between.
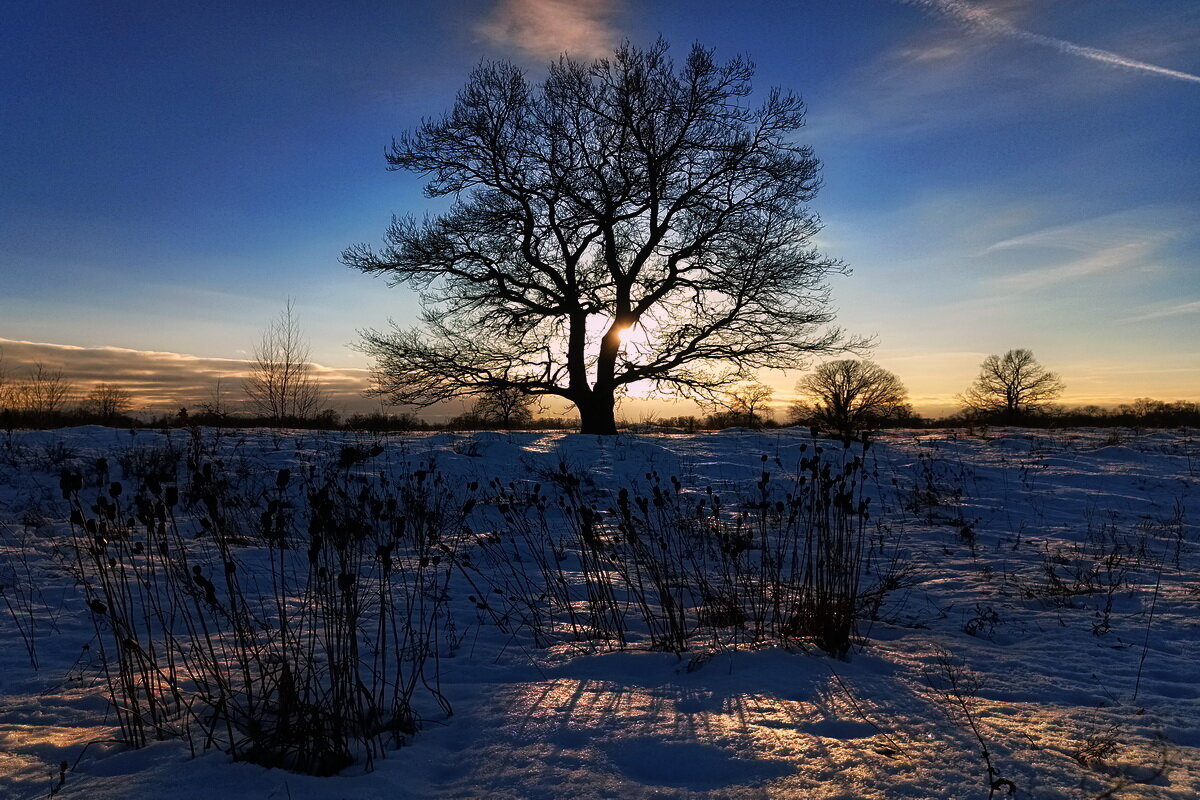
x: 981, y: 21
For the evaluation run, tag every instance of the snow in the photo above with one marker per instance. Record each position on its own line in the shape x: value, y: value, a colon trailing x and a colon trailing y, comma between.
x: 1074, y: 693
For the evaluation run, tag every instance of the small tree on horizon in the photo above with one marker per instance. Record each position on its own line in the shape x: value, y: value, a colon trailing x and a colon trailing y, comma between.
x: 107, y: 401
x: 508, y: 407
x: 849, y: 396
x: 1011, y: 386
x: 746, y: 403
x: 629, y: 220
x: 215, y: 406
x: 282, y: 385
x: 5, y: 385
x: 42, y: 391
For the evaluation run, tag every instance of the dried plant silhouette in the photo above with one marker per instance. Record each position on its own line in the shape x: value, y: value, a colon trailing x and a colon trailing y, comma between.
x: 628, y: 220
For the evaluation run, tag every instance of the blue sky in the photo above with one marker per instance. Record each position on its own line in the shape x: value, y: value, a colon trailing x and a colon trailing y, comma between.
x: 1002, y: 174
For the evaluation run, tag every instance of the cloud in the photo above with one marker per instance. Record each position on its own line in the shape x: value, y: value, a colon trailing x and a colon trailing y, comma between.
x: 1081, y: 236
x: 982, y: 21
x: 548, y: 28
x: 1117, y: 258
x: 161, y: 381
x: 930, y: 82
x: 1177, y: 310
x: 1119, y: 242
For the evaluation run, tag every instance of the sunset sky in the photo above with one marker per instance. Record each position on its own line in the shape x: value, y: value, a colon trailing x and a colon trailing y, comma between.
x: 1011, y: 173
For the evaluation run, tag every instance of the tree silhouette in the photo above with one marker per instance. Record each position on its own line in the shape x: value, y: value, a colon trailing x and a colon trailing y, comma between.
x: 42, y: 391
x: 624, y: 221
x: 849, y: 396
x: 507, y: 407
x: 746, y: 402
x: 215, y: 407
x: 282, y: 385
x: 1011, y: 386
x: 107, y: 401
x: 6, y: 399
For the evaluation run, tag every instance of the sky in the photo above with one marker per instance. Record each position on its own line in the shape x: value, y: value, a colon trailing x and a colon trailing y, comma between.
x: 997, y: 174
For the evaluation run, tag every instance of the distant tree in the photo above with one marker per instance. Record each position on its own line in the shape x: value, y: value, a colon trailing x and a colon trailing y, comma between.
x: 378, y: 421
x: 687, y: 423
x: 628, y: 220
x: 850, y: 395
x: 6, y: 400
x: 216, y: 407
x: 1146, y: 411
x: 42, y: 391
x: 743, y: 404
x: 1011, y: 386
x: 282, y: 385
x: 506, y: 407
x: 327, y: 419
x: 107, y: 401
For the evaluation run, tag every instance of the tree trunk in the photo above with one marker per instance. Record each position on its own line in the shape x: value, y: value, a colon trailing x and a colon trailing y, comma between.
x: 597, y: 415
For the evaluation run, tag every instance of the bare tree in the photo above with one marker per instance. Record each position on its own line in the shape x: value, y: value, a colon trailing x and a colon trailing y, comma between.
x: 624, y: 221
x: 849, y: 396
x: 216, y: 405
x: 107, y: 401
x: 42, y: 391
x: 507, y: 407
x: 6, y: 400
x: 1011, y: 386
x: 747, y: 401
x: 282, y: 385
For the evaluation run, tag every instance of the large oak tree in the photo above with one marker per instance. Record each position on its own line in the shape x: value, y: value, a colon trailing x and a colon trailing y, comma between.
x: 850, y: 395
x: 1011, y: 386
x: 628, y: 220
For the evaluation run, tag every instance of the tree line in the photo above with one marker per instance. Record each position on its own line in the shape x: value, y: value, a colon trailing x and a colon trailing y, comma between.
x: 844, y: 396
x: 42, y: 394
x: 849, y: 396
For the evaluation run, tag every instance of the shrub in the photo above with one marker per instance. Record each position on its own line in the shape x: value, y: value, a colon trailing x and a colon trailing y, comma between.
x: 654, y: 565
x: 312, y: 671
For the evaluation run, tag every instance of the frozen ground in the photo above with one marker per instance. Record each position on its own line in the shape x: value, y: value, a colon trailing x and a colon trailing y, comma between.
x: 1053, y: 575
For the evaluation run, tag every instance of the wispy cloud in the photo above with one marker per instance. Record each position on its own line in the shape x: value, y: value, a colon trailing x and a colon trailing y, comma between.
x: 548, y: 28
x: 1176, y: 310
x: 1125, y: 241
x: 1078, y: 236
x: 982, y: 21
x: 1117, y: 258
x: 162, y: 380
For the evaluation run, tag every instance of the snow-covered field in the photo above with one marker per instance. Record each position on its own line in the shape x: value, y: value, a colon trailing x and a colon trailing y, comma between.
x: 1044, y: 604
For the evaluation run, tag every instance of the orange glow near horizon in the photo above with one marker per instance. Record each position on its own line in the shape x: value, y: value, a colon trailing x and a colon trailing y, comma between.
x: 163, y: 381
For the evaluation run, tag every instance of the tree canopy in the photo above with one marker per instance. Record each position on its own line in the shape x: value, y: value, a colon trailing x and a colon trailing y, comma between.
x: 849, y: 395
x: 1011, y: 386
x: 107, y: 400
x: 627, y: 220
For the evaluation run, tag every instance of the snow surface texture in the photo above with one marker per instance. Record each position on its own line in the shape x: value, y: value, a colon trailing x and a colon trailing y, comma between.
x: 1052, y: 575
